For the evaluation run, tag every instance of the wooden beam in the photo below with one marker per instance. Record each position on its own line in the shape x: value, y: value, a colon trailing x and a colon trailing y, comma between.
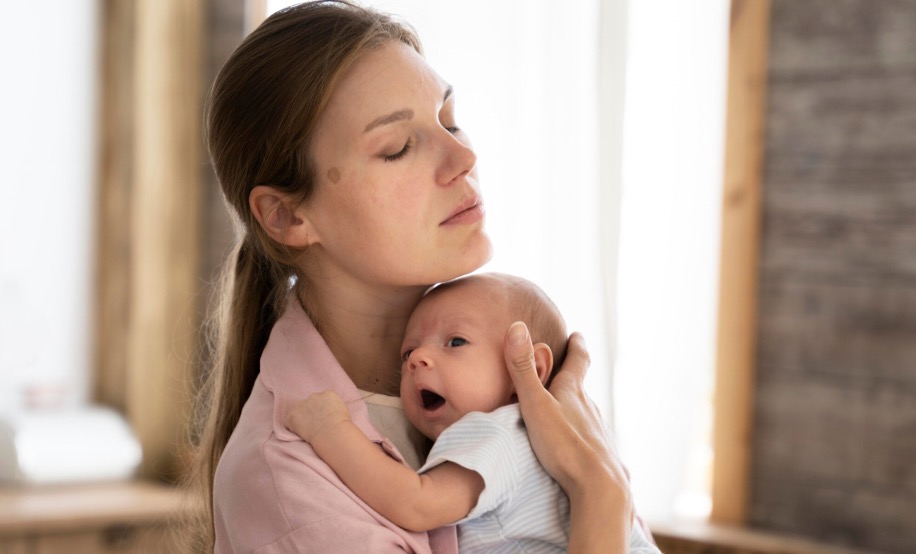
x: 113, y: 236
x: 164, y: 226
x: 736, y: 337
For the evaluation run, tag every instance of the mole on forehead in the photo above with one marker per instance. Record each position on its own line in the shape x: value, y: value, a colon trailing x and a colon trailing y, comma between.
x: 334, y: 174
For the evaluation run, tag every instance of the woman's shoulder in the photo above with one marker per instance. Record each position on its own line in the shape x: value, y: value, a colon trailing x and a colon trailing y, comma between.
x: 267, y: 487
x: 275, y: 495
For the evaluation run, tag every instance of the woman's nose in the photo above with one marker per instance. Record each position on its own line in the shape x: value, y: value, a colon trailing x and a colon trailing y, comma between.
x: 458, y: 160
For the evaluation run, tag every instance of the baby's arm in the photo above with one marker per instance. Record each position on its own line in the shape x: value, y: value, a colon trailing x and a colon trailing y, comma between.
x: 415, y: 502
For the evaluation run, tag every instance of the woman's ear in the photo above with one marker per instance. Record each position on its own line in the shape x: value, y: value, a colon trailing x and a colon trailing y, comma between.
x: 276, y: 213
x: 543, y: 361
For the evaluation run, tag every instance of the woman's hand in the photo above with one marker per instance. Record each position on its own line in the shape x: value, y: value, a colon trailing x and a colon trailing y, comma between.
x: 569, y: 439
x: 319, y: 413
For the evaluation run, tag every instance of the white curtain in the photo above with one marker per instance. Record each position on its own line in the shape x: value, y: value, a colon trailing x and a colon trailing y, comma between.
x: 669, y: 251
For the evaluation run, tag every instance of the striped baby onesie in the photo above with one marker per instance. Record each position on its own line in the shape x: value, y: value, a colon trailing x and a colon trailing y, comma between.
x: 521, y: 509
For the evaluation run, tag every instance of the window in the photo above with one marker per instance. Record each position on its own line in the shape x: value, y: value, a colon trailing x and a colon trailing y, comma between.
x: 48, y: 154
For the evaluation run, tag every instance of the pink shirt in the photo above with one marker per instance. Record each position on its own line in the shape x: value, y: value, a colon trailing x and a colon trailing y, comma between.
x: 272, y: 493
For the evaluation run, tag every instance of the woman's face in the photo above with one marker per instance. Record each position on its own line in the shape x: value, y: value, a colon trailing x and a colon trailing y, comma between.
x: 397, y: 200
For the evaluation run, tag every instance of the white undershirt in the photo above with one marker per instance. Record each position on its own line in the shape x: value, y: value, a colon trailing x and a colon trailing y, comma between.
x: 387, y: 415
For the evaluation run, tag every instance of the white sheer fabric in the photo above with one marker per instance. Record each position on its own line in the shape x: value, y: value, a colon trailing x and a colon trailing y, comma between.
x: 669, y: 251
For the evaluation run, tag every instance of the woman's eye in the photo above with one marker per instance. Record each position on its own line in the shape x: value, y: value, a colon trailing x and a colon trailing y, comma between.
x: 456, y: 341
x: 399, y: 155
x: 406, y: 355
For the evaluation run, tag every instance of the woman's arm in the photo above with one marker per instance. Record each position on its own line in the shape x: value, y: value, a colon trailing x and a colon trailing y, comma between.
x: 568, y: 437
x: 415, y: 502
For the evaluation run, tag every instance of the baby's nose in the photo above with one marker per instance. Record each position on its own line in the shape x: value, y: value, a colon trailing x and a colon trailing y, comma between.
x: 418, y: 360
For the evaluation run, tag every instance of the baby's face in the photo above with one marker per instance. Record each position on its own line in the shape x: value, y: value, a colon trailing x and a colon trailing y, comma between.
x: 452, y: 357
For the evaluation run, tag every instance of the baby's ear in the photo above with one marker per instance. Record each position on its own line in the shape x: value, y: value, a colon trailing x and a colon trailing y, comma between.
x: 543, y: 361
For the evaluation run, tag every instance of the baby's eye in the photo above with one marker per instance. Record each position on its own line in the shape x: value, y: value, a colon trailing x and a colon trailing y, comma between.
x: 457, y: 341
x: 406, y: 354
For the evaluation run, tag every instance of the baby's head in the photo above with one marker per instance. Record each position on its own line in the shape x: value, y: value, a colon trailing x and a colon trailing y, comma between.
x: 452, y: 352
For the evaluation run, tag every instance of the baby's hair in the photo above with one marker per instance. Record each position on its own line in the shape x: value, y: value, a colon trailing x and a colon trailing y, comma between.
x: 525, y: 302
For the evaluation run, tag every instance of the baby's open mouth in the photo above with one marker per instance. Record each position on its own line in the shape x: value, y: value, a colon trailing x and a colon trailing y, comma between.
x: 431, y: 401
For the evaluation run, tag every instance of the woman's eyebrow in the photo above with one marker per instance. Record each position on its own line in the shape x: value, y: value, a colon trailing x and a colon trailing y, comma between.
x: 401, y: 115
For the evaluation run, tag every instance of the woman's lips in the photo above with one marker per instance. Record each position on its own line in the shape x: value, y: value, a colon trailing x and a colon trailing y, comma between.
x: 470, y: 212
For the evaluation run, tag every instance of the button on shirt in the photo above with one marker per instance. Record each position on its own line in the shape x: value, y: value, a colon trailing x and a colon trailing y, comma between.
x: 272, y: 493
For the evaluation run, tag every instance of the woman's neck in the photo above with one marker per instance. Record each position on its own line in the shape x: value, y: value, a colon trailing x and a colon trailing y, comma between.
x: 363, y: 327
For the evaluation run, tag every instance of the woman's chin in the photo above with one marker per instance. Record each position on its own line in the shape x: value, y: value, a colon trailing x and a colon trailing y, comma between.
x: 479, y: 253
x: 452, y: 263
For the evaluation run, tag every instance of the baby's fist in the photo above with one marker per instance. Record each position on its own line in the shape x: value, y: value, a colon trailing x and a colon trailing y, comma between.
x: 317, y: 414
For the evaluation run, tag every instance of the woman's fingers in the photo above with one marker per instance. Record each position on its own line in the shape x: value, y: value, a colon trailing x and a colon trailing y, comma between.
x: 572, y: 374
x: 572, y: 442
x: 519, y: 355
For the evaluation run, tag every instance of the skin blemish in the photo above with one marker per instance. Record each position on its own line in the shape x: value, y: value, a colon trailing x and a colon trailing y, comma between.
x: 334, y: 174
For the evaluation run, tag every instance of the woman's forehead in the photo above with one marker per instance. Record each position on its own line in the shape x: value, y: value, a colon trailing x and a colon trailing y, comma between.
x: 387, y: 79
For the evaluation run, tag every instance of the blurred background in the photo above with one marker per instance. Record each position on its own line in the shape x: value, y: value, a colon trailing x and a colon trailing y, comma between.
x: 720, y: 195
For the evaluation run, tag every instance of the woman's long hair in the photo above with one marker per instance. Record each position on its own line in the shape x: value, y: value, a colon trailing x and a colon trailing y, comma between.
x: 260, y: 119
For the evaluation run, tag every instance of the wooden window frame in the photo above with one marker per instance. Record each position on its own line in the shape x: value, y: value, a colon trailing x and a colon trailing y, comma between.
x: 741, y: 214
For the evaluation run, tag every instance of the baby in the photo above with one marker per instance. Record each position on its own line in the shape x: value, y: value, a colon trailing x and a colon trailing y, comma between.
x: 481, y: 472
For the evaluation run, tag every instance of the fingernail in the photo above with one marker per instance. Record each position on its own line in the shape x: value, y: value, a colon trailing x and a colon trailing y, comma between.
x: 518, y: 334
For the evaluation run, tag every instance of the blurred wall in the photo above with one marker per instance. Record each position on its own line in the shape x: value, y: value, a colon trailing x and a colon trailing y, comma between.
x: 835, y: 429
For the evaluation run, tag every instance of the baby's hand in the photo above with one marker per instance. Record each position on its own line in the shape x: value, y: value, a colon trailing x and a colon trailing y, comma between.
x: 319, y: 413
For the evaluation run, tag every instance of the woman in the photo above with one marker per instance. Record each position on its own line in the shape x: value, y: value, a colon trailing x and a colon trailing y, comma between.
x: 354, y: 189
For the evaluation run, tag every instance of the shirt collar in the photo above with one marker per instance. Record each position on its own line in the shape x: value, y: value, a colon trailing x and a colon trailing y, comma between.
x: 297, y: 362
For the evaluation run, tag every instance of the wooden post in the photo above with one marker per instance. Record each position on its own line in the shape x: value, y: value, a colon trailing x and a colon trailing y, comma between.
x: 744, y: 146
x: 113, y: 231
x: 165, y: 225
